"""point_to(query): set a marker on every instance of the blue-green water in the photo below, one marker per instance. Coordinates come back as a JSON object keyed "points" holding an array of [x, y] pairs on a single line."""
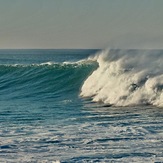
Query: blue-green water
{"points": [[43, 118]]}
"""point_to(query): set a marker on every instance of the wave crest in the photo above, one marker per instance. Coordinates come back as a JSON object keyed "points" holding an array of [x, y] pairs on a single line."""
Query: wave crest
{"points": [[126, 77]]}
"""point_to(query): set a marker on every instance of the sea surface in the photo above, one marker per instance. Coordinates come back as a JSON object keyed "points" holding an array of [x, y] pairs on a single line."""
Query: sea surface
{"points": [[75, 106]]}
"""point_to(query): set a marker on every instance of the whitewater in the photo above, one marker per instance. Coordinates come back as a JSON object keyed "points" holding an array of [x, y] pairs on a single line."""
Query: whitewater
{"points": [[126, 77], [81, 105]]}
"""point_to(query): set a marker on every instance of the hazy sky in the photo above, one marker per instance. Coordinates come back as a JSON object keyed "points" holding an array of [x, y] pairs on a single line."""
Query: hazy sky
{"points": [[81, 23]]}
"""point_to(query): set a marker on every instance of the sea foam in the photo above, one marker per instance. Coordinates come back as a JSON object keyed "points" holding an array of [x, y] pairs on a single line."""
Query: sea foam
{"points": [[126, 77]]}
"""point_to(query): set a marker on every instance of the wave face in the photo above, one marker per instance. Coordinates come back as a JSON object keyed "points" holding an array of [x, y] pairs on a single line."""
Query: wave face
{"points": [[43, 80], [126, 77]]}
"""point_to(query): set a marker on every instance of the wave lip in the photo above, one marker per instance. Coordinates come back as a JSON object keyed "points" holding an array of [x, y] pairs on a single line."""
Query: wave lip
{"points": [[126, 77]]}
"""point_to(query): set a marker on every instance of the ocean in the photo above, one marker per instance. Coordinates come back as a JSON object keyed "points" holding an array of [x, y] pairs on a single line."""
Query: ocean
{"points": [[75, 106]]}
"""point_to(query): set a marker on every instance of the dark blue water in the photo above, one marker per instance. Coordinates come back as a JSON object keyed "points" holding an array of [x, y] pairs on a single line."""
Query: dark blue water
{"points": [[44, 119]]}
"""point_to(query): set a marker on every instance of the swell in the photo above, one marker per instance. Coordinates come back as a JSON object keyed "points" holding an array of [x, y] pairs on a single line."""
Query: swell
{"points": [[47, 80], [126, 77]]}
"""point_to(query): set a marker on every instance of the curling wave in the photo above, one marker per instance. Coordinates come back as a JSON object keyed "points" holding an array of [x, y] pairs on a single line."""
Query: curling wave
{"points": [[126, 77]]}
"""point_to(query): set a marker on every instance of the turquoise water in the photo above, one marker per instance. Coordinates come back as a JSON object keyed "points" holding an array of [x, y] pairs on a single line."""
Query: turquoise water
{"points": [[44, 118]]}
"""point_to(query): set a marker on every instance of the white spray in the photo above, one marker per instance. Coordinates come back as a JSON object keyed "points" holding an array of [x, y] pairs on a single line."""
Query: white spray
{"points": [[126, 77]]}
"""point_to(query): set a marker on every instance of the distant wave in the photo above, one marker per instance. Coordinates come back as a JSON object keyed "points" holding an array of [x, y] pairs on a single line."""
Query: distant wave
{"points": [[126, 77]]}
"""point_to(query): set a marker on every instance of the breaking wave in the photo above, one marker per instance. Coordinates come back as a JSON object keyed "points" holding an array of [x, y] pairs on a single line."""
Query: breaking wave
{"points": [[126, 77], [114, 77]]}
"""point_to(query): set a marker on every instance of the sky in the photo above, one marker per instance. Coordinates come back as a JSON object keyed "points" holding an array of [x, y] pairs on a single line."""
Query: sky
{"points": [[70, 24]]}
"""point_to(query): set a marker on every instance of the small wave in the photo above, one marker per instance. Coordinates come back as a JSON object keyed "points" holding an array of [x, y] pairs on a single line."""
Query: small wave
{"points": [[126, 77]]}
